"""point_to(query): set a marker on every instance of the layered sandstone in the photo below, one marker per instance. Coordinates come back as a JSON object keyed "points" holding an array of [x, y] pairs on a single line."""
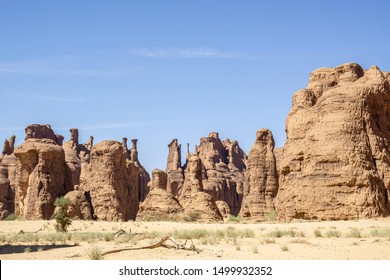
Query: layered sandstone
{"points": [[107, 181], [195, 201], [261, 178], [223, 170], [144, 177], [40, 178], [336, 160], [80, 207], [159, 204], [174, 169], [5, 192]]}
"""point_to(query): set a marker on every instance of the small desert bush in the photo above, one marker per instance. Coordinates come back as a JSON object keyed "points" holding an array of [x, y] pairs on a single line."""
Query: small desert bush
{"points": [[333, 233], [233, 219], [231, 232], [148, 218], [95, 253], [11, 217], [317, 233], [380, 233], [255, 250], [191, 217], [3, 238], [190, 234], [284, 248], [268, 241], [280, 233], [271, 216], [354, 233], [300, 241], [27, 250], [61, 215]]}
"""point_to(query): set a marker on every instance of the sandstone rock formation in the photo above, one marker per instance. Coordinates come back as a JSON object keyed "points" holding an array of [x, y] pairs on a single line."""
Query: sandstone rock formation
{"points": [[40, 178], [80, 207], [8, 146], [261, 178], [159, 204], [7, 178], [223, 170], [193, 198], [40, 132], [335, 163], [174, 169], [5, 192], [107, 180], [144, 177]]}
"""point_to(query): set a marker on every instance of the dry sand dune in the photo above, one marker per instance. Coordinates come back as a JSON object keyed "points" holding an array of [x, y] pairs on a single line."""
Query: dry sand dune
{"points": [[340, 240]]}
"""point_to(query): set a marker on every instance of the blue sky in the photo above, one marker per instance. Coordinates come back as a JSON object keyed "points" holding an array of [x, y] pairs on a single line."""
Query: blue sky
{"points": [[158, 70]]}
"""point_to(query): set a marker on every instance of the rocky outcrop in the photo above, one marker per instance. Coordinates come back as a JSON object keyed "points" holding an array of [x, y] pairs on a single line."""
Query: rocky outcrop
{"points": [[5, 192], [261, 178], [8, 146], [159, 204], [174, 169], [40, 178], [336, 160], [223, 170], [107, 180], [194, 200], [7, 178], [39, 131], [80, 207], [144, 177]]}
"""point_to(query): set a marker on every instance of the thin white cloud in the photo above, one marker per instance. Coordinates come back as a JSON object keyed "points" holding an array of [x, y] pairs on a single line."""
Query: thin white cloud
{"points": [[189, 53]]}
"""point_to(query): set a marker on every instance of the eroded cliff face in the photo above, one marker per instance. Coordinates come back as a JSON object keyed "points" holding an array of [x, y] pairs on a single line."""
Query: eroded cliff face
{"points": [[223, 166], [5, 193], [107, 181], [261, 178], [335, 163], [40, 178], [193, 198], [174, 169], [160, 204]]}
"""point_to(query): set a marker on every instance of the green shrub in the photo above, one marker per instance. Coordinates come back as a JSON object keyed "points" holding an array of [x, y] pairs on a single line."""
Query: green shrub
{"points": [[95, 254], [191, 217], [61, 215], [11, 217], [271, 216], [317, 233], [233, 219], [333, 233], [354, 233]]}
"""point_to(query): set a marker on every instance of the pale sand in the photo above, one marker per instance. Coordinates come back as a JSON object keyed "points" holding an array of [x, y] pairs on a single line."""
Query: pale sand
{"points": [[366, 247]]}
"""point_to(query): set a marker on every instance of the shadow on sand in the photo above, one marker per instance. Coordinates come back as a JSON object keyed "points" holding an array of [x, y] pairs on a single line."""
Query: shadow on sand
{"points": [[16, 249]]}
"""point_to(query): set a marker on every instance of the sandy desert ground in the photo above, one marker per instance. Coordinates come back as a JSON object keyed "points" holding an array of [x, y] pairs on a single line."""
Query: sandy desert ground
{"points": [[330, 240]]}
